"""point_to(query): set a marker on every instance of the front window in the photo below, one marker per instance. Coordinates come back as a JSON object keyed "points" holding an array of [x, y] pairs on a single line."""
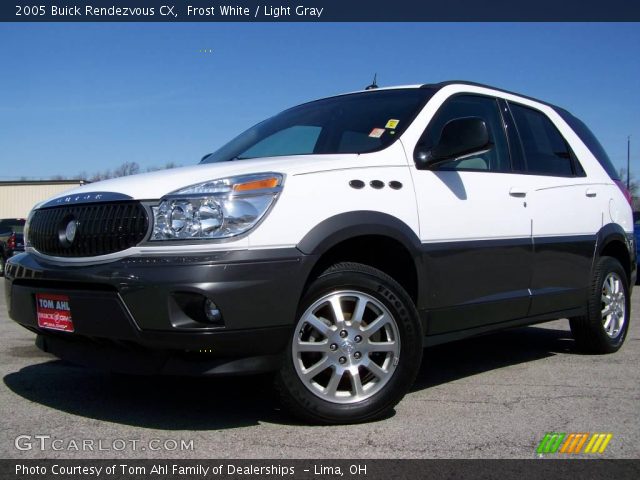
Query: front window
{"points": [[496, 158], [354, 123]]}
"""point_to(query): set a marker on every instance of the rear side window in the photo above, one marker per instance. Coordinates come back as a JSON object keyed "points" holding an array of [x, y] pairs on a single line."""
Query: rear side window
{"points": [[546, 151], [590, 140]]}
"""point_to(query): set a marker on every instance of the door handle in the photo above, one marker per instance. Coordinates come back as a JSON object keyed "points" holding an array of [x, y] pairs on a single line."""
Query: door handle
{"points": [[590, 192], [517, 192]]}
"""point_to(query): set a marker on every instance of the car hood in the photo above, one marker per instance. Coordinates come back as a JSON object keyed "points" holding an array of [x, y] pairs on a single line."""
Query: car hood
{"points": [[153, 185]]}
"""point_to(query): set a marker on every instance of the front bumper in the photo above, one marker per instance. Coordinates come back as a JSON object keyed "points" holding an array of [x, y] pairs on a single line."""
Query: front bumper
{"points": [[127, 317]]}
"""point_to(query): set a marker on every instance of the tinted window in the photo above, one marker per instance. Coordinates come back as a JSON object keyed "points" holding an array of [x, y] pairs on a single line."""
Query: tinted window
{"points": [[592, 143], [12, 225], [515, 148], [546, 152], [354, 123], [496, 158], [296, 139]]}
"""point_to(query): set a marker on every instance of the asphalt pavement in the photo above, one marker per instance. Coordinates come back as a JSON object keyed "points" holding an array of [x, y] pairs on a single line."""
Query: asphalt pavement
{"points": [[490, 397]]}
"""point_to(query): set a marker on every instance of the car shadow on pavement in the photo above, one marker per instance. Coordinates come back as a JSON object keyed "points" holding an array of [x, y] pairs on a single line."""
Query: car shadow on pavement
{"points": [[160, 402], [189, 403], [452, 361]]}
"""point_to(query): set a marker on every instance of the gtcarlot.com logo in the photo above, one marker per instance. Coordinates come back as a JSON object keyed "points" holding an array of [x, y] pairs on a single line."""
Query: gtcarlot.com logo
{"points": [[554, 442], [49, 443]]}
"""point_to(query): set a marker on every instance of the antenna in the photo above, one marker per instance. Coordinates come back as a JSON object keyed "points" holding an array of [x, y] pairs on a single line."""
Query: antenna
{"points": [[374, 84]]}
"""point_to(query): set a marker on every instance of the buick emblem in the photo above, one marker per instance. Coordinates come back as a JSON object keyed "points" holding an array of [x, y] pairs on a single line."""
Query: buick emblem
{"points": [[347, 347], [67, 232], [70, 231]]}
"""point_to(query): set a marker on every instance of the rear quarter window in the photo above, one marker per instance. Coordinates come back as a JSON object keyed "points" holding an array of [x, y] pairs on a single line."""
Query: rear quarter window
{"points": [[590, 140]]}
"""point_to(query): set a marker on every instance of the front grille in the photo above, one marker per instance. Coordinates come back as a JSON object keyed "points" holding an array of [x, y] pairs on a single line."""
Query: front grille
{"points": [[102, 228]]}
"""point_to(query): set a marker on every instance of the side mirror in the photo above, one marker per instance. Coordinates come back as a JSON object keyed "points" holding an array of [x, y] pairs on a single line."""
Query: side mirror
{"points": [[459, 137]]}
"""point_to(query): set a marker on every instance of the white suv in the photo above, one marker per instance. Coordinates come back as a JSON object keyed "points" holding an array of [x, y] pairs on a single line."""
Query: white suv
{"points": [[332, 242]]}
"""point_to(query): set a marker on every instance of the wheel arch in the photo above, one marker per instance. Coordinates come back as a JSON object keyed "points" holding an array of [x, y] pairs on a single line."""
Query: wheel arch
{"points": [[360, 237], [613, 241]]}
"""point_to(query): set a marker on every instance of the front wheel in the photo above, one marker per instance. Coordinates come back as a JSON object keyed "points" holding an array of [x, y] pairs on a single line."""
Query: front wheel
{"points": [[604, 327], [355, 350]]}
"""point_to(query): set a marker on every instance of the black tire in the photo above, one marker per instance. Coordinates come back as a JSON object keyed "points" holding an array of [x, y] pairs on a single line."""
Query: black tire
{"points": [[378, 290], [589, 330], [2, 265]]}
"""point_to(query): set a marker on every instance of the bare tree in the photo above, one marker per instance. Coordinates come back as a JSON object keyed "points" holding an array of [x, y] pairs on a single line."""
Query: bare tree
{"points": [[167, 166], [634, 185], [126, 169], [96, 177]]}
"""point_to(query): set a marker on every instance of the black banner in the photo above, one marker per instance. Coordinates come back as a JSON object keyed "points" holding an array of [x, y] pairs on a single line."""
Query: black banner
{"points": [[317, 10], [116, 469]]}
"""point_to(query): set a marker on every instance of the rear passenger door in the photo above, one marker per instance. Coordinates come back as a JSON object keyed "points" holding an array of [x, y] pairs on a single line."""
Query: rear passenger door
{"points": [[566, 211], [474, 226]]}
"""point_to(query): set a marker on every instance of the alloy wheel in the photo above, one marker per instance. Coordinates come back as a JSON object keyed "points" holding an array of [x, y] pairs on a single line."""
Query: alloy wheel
{"points": [[346, 347]]}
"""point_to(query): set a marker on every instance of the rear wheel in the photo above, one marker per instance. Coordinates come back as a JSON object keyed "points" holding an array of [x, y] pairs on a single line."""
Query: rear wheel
{"points": [[604, 327], [355, 350]]}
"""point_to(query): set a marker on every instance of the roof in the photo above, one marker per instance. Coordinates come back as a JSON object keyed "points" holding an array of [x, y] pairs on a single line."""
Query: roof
{"points": [[440, 85], [437, 86]]}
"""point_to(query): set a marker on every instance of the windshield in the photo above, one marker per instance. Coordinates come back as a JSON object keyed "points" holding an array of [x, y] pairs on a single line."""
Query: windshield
{"points": [[353, 123]]}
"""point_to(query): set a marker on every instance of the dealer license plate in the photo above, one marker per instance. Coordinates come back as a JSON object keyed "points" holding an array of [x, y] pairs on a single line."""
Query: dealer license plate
{"points": [[54, 312]]}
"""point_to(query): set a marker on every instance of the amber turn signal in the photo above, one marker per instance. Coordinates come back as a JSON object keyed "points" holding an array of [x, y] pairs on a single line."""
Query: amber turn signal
{"points": [[256, 185]]}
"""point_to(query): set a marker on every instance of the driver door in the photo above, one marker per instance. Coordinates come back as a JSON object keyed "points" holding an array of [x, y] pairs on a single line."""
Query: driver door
{"points": [[475, 226]]}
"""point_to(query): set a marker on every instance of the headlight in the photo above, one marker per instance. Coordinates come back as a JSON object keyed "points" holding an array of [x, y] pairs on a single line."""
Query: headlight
{"points": [[216, 209]]}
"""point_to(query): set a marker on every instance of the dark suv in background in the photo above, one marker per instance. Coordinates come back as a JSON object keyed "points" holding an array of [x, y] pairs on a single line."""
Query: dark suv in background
{"points": [[11, 239]]}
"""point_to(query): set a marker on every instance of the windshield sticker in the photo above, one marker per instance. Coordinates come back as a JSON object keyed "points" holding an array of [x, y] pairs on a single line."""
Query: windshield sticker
{"points": [[393, 123], [377, 132]]}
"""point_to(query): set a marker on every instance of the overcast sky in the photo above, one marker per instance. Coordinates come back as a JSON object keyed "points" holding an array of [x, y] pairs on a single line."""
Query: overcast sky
{"points": [[88, 97]]}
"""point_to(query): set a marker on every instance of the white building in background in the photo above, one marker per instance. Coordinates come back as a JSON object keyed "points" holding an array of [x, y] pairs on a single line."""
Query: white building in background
{"points": [[18, 197]]}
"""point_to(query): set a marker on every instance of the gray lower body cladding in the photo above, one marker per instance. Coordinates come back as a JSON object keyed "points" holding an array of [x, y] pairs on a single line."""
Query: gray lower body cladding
{"points": [[131, 315]]}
